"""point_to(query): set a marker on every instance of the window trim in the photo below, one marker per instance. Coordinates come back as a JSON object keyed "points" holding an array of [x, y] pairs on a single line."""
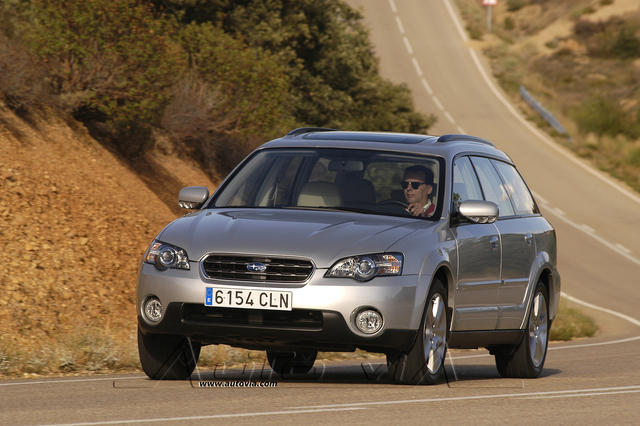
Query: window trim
{"points": [[513, 204], [452, 210]]}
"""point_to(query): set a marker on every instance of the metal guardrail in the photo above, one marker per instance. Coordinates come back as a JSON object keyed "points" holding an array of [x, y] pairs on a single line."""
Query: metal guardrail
{"points": [[546, 115]]}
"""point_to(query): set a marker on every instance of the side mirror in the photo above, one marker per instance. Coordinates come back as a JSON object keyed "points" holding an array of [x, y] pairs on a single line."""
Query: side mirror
{"points": [[193, 197], [479, 211]]}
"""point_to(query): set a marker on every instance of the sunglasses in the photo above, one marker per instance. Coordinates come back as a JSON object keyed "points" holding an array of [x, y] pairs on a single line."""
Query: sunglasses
{"points": [[414, 185]]}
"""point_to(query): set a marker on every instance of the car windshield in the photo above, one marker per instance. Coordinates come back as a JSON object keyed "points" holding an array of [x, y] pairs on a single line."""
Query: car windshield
{"points": [[364, 181]]}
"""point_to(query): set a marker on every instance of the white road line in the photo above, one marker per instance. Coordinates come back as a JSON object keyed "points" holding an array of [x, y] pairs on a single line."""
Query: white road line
{"points": [[554, 348], [461, 130], [588, 345], [476, 397], [417, 67], [407, 45], [456, 21], [393, 6], [558, 212], [576, 395], [599, 308], [623, 248], [560, 215], [618, 248], [426, 86], [587, 229], [438, 103], [97, 379], [544, 138], [539, 198], [449, 117], [400, 26], [213, 416]]}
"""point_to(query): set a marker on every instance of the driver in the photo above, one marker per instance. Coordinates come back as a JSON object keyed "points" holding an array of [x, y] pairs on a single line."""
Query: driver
{"points": [[418, 186]]}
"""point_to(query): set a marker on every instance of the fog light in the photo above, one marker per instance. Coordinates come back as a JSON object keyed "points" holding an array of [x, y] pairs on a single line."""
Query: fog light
{"points": [[152, 309], [369, 321]]}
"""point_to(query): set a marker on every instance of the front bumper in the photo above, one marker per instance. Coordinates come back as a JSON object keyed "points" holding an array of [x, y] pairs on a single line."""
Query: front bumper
{"points": [[332, 303], [328, 333]]}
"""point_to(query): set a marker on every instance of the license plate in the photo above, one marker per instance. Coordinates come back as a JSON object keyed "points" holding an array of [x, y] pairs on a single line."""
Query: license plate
{"points": [[252, 299]]}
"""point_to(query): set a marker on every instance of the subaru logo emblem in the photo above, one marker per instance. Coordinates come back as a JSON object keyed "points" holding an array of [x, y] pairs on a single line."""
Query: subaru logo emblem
{"points": [[256, 267]]}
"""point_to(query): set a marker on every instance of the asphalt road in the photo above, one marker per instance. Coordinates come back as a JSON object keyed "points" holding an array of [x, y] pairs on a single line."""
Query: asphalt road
{"points": [[597, 380]]}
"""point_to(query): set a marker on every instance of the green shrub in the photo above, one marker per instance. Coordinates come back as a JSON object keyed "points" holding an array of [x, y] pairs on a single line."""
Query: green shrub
{"points": [[113, 57], [509, 23], [626, 44], [252, 86], [603, 116], [513, 5], [328, 57], [615, 38], [237, 71], [633, 159]]}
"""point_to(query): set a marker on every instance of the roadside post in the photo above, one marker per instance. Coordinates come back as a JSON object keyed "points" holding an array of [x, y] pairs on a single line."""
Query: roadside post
{"points": [[489, 4]]}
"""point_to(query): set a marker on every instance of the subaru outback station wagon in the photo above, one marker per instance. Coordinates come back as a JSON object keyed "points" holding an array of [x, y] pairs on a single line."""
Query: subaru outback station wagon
{"points": [[325, 240]]}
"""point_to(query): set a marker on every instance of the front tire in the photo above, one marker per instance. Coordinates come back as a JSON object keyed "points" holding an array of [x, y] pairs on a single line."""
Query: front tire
{"points": [[167, 357], [526, 360], [292, 362], [424, 363]]}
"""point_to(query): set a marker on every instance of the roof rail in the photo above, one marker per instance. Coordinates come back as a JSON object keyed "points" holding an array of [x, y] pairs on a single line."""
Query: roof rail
{"points": [[467, 138], [301, 130]]}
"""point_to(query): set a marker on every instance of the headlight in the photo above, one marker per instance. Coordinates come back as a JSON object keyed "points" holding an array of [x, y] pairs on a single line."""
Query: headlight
{"points": [[364, 268], [165, 256]]}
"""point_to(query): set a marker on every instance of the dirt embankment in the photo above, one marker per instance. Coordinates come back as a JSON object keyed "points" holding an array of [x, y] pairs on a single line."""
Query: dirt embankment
{"points": [[75, 221]]}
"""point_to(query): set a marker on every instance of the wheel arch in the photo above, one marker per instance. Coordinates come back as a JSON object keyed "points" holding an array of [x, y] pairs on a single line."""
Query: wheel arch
{"points": [[444, 274], [550, 278], [551, 281]]}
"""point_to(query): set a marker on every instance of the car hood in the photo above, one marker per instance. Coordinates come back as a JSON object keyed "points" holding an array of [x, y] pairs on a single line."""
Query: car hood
{"points": [[323, 236]]}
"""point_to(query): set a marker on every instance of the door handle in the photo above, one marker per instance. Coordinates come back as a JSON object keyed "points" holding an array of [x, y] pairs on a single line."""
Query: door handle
{"points": [[528, 238], [495, 242]]}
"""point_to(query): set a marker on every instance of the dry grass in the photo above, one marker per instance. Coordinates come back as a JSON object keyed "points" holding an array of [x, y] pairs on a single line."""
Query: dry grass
{"points": [[571, 323]]}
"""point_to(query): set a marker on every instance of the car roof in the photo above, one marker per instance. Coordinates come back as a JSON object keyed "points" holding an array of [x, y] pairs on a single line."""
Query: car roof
{"points": [[446, 146]]}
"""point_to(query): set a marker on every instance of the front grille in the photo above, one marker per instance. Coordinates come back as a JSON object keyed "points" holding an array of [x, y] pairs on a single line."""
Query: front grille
{"points": [[235, 268], [297, 318]]}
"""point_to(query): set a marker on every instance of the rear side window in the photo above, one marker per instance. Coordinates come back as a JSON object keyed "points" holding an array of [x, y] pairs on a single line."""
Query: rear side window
{"points": [[517, 189], [465, 182], [494, 189]]}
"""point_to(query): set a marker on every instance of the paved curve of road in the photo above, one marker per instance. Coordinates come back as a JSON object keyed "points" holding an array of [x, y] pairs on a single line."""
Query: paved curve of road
{"points": [[421, 43]]}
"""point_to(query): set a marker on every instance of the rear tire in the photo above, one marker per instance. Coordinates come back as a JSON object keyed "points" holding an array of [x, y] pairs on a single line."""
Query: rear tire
{"points": [[292, 362], [424, 363], [167, 357], [526, 360]]}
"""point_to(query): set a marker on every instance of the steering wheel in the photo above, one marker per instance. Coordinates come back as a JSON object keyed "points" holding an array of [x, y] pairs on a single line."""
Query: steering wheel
{"points": [[394, 203]]}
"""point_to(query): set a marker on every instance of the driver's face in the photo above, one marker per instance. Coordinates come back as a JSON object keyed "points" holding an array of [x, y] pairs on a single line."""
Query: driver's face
{"points": [[419, 195]]}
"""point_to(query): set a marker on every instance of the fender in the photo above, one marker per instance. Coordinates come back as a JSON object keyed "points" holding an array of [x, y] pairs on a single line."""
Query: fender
{"points": [[440, 261]]}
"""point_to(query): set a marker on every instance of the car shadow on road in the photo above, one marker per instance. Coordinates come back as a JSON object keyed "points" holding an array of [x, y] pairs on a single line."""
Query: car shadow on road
{"points": [[359, 373]]}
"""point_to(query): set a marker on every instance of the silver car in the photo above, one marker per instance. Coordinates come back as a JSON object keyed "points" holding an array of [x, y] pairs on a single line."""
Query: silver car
{"points": [[325, 240]]}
